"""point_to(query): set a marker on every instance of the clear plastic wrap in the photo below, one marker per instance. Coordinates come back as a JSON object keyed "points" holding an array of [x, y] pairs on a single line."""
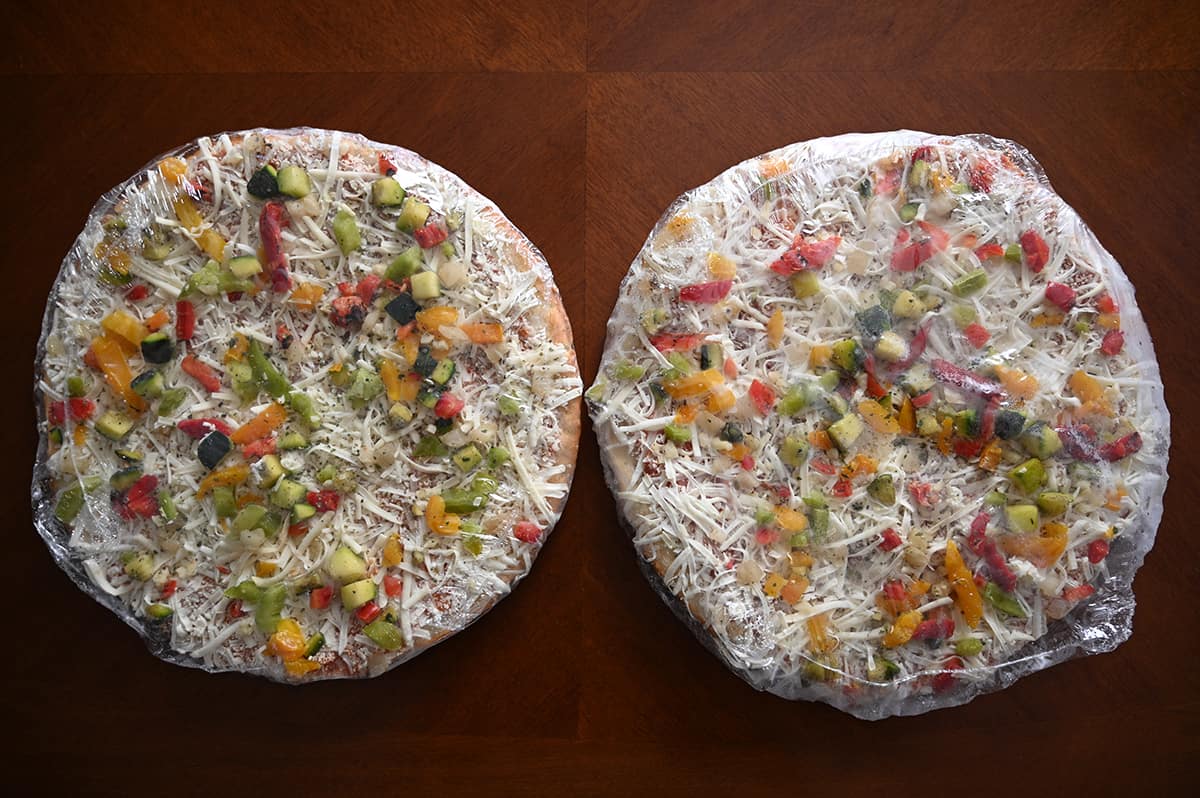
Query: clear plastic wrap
{"points": [[806, 405], [502, 345]]}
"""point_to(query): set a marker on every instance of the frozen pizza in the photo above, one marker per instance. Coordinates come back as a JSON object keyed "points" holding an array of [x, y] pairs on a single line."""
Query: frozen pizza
{"points": [[884, 421], [308, 405]]}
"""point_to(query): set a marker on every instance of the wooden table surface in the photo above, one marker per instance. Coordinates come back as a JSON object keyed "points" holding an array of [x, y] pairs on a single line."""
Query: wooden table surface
{"points": [[583, 123]]}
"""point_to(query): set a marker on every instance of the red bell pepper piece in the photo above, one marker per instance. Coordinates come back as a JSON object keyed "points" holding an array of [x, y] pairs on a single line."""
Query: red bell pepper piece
{"points": [[320, 597], [271, 222], [393, 586], [137, 293], [762, 396], [980, 176], [1097, 550], [1113, 343], [945, 680], [348, 310], [169, 588], [922, 493], [139, 500], [915, 349], [923, 399], [842, 488], [666, 342], [1121, 447], [367, 286], [197, 428], [368, 612], [527, 532], [922, 153], [894, 591], [978, 531], [706, 293], [324, 500], [934, 629], [977, 335], [386, 167], [259, 448], [1037, 253], [824, 466], [57, 412], [1077, 593], [804, 255], [283, 336], [203, 373], [968, 449], [989, 251], [987, 423], [81, 409], [748, 463], [891, 539], [1061, 295], [1079, 441], [874, 389], [765, 536], [234, 610], [185, 320], [448, 406], [430, 235], [947, 372], [297, 530]]}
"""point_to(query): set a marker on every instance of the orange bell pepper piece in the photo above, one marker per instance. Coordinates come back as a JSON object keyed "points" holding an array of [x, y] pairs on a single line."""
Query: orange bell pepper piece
{"points": [[1017, 383], [159, 320], [433, 319], [697, 384], [720, 400], [966, 593], [481, 333], [223, 478], [260, 426], [305, 296], [907, 419], [820, 439], [902, 630], [775, 328], [116, 370], [1042, 550], [287, 642]]}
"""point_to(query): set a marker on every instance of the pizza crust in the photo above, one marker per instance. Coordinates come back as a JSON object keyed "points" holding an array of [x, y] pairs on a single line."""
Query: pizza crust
{"points": [[548, 322], [742, 626]]}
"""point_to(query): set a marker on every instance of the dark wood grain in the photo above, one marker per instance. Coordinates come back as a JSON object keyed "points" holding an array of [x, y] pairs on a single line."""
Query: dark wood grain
{"points": [[582, 682]]}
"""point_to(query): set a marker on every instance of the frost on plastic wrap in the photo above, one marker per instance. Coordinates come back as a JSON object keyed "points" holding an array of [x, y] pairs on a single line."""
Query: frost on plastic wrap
{"points": [[486, 269], [897, 285]]}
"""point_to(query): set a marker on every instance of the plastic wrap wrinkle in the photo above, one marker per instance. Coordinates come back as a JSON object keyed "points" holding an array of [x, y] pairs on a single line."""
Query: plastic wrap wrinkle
{"points": [[900, 227], [508, 283]]}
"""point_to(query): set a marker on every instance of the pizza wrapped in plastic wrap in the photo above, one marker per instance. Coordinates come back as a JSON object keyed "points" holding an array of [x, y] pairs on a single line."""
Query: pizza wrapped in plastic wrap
{"points": [[884, 422], [308, 405]]}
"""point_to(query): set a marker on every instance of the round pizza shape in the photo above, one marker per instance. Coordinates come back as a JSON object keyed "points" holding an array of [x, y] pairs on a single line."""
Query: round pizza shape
{"points": [[308, 405], [884, 421]]}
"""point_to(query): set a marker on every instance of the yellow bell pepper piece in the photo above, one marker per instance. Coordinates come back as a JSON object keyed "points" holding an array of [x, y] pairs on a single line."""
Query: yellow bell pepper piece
{"points": [[720, 400], [126, 326], [721, 267], [966, 593], [819, 639], [299, 667], [773, 585], [877, 418], [391, 379], [223, 478], [211, 242], [393, 551], [775, 328], [789, 520], [902, 630], [116, 370], [305, 296], [287, 642], [433, 319], [265, 569], [1089, 391], [697, 384], [1109, 321], [440, 521], [819, 355]]}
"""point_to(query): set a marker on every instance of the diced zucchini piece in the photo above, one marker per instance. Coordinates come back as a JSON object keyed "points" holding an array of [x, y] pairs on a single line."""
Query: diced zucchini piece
{"points": [[400, 413], [293, 181], [818, 522], [263, 183], [413, 214], [386, 192], [845, 431], [293, 440], [918, 380], [159, 611], [966, 423], [430, 446], [114, 425], [467, 457], [148, 384], [244, 266], [627, 370], [1009, 424], [406, 264], [907, 306], [213, 448], [508, 405], [384, 634], [156, 244], [711, 357], [366, 386], [995, 499], [793, 401], [918, 174], [302, 512], [677, 433], [224, 502], [346, 566], [443, 371], [429, 398], [1022, 517], [77, 385], [1004, 602], [269, 470], [287, 493], [425, 286], [166, 505], [124, 478], [356, 594], [403, 309], [139, 566], [883, 489], [848, 355], [249, 517], [908, 211], [1053, 503], [1013, 253], [805, 284], [462, 501], [345, 231], [314, 644], [970, 283], [731, 433], [1041, 440], [794, 451], [874, 321], [891, 347], [1029, 476], [498, 456]]}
